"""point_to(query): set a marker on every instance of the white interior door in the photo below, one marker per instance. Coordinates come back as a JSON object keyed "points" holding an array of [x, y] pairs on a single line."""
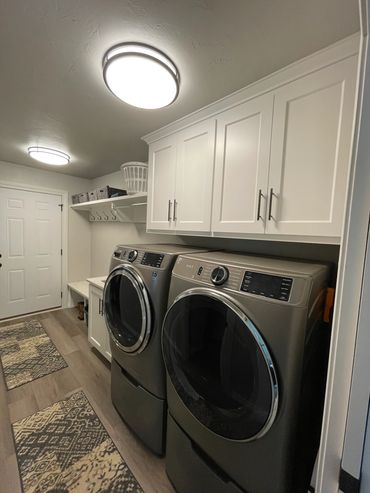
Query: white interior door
{"points": [[30, 248], [242, 166]]}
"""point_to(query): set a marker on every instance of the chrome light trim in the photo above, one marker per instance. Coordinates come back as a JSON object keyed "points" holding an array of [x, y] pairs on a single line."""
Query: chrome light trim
{"points": [[239, 311], [134, 277], [134, 48]]}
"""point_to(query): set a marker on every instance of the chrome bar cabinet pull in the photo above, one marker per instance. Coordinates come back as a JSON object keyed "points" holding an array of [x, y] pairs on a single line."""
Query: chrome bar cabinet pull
{"points": [[169, 211], [260, 195], [175, 210], [270, 203]]}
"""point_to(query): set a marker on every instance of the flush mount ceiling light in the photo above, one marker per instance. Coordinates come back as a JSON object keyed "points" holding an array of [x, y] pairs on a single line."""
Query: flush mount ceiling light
{"points": [[48, 156], [141, 75]]}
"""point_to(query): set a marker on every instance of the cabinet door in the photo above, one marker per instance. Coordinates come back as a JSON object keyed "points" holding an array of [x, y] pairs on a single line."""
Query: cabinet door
{"points": [[194, 177], [310, 152], [241, 169], [97, 330], [106, 350], [161, 184]]}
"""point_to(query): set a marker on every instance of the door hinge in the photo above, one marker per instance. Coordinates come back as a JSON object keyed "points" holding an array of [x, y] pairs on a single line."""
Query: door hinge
{"points": [[61, 251], [61, 294], [61, 207], [348, 483]]}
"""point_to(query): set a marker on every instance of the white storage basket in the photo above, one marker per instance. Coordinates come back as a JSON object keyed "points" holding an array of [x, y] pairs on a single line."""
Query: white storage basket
{"points": [[135, 175]]}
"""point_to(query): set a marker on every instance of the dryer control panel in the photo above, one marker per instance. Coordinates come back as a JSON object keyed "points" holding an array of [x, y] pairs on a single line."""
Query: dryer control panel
{"points": [[267, 279], [152, 259], [270, 286], [249, 280]]}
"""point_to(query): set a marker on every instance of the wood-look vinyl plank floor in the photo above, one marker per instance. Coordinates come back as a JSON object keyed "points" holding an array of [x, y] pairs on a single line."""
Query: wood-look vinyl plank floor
{"points": [[86, 371]]}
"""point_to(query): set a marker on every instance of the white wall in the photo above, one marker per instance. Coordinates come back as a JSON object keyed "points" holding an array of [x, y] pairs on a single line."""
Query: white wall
{"points": [[79, 234], [105, 236], [113, 180], [91, 244]]}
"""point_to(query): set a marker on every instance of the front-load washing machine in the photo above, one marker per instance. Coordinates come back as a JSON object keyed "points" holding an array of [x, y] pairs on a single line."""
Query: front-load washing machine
{"points": [[134, 303], [245, 355]]}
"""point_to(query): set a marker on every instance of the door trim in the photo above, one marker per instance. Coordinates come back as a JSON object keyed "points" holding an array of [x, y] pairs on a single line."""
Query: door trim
{"points": [[349, 283], [64, 258]]}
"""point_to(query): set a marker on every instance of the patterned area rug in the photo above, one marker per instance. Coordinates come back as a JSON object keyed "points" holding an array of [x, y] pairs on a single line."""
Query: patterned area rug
{"points": [[27, 353], [66, 449]]}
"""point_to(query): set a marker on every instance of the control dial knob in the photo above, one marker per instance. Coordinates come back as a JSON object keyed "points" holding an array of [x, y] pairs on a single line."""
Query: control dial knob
{"points": [[132, 255], [219, 275]]}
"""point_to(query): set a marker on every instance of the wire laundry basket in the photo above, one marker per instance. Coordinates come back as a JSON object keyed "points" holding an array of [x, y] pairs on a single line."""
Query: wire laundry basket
{"points": [[135, 174]]}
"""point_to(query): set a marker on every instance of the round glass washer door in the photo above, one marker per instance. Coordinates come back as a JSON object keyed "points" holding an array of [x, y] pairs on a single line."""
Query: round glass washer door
{"points": [[220, 365], [127, 309]]}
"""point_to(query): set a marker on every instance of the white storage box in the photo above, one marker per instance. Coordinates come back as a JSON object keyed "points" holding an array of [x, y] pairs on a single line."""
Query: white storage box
{"points": [[83, 197], [135, 175], [92, 195]]}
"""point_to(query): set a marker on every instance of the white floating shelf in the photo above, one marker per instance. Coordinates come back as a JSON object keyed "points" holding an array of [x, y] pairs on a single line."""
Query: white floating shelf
{"points": [[125, 200]]}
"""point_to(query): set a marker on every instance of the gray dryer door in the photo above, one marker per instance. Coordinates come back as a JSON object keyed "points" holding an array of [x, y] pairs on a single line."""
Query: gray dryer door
{"points": [[220, 365], [127, 309]]}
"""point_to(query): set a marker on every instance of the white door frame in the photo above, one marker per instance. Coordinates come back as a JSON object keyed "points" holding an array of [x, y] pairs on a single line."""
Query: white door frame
{"points": [[360, 390], [349, 284], [64, 195]]}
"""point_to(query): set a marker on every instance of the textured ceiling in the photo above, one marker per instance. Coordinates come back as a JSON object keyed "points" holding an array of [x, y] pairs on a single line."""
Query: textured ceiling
{"points": [[51, 87]]}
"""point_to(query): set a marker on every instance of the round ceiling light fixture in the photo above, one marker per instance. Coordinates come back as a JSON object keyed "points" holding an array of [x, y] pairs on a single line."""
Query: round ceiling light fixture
{"points": [[141, 75], [48, 156]]}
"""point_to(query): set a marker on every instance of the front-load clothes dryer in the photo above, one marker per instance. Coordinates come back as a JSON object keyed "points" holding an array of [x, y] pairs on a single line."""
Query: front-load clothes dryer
{"points": [[245, 354], [135, 301]]}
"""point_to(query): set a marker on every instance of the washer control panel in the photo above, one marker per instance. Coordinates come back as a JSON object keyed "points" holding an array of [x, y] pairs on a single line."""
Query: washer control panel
{"points": [[152, 259], [270, 286]]}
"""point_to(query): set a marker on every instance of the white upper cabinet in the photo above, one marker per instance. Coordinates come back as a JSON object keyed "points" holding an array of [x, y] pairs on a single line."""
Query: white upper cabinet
{"points": [[194, 177], [181, 179], [161, 184], [242, 164], [270, 161], [310, 152]]}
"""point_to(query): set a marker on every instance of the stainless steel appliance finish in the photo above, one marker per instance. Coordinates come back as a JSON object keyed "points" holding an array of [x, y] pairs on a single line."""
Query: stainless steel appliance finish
{"points": [[135, 301], [245, 357]]}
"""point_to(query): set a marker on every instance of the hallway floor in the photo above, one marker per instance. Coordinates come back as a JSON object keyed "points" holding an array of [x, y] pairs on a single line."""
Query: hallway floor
{"points": [[86, 371]]}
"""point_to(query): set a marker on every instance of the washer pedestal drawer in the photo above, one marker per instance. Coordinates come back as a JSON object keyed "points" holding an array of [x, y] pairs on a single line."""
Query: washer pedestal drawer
{"points": [[143, 412], [185, 461]]}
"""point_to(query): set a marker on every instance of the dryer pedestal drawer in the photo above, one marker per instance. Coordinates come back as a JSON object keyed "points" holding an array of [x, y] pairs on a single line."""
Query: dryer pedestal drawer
{"points": [[184, 461], [132, 402]]}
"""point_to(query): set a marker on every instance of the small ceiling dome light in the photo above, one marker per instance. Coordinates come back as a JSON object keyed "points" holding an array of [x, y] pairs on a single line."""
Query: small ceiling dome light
{"points": [[48, 156], [141, 75]]}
